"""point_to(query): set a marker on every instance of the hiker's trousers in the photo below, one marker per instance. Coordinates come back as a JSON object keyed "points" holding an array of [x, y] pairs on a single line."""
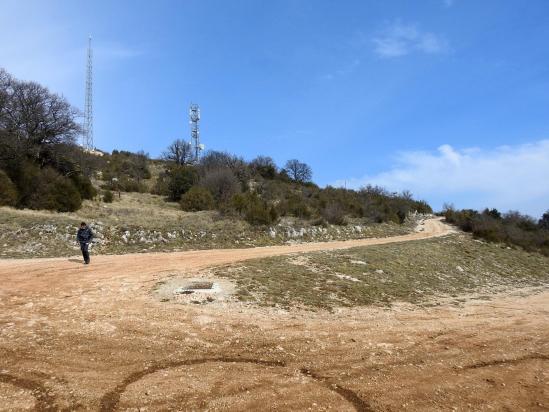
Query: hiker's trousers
{"points": [[85, 253]]}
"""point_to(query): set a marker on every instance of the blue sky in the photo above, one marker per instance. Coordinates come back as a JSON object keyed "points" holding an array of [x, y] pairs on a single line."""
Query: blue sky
{"points": [[449, 99]]}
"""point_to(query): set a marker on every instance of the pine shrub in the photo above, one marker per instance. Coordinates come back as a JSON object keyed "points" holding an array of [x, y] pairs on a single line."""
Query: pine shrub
{"points": [[108, 197], [197, 198], [254, 209], [54, 192], [84, 186], [180, 180]]}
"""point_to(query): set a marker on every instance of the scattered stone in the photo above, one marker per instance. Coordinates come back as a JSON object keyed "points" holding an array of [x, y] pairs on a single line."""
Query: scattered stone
{"points": [[347, 277]]}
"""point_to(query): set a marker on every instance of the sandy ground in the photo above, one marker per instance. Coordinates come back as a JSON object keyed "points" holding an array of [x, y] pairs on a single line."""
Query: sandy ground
{"points": [[97, 337]]}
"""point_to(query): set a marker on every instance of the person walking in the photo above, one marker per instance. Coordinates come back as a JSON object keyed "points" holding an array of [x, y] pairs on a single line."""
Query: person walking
{"points": [[84, 236]]}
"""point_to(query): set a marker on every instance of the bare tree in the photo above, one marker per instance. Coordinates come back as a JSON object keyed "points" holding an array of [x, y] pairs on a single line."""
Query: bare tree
{"points": [[180, 152], [265, 166], [5, 86], [299, 172], [35, 116], [222, 183], [214, 160], [34, 123], [407, 195]]}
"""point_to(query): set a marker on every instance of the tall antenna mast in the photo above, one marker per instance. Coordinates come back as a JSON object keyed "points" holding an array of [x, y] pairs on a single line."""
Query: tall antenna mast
{"points": [[194, 116], [87, 140]]}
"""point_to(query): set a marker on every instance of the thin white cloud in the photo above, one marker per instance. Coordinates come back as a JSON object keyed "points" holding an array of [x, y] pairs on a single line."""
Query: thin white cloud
{"points": [[507, 177], [448, 3], [342, 71], [398, 39]]}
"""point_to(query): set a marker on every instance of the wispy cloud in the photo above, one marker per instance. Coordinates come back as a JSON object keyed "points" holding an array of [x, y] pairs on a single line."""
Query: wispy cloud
{"points": [[448, 3], [341, 71], [398, 39], [507, 177]]}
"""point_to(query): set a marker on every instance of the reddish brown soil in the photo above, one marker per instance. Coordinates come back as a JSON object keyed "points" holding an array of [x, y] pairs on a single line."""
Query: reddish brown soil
{"points": [[75, 337]]}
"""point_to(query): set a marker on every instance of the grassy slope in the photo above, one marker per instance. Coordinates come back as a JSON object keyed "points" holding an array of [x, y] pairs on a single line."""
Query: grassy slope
{"points": [[153, 225], [416, 272]]}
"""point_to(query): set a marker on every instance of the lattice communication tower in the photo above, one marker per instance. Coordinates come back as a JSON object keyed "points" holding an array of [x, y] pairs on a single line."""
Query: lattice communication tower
{"points": [[87, 138], [194, 119]]}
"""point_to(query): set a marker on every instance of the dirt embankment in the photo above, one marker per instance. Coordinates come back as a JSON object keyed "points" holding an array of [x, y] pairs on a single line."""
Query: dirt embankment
{"points": [[77, 337]]}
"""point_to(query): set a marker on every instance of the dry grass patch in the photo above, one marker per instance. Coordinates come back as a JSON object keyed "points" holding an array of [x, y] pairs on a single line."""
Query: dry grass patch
{"points": [[417, 272]]}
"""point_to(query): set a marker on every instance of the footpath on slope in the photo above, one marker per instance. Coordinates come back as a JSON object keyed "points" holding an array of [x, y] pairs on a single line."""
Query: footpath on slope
{"points": [[19, 270], [48, 273]]}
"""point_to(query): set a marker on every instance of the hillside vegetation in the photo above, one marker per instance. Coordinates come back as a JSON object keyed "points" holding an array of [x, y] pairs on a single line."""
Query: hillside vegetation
{"points": [[40, 166], [512, 228], [142, 222], [257, 191], [124, 195]]}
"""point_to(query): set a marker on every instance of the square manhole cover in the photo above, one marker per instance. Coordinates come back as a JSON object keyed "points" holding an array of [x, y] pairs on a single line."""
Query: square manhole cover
{"points": [[199, 286]]}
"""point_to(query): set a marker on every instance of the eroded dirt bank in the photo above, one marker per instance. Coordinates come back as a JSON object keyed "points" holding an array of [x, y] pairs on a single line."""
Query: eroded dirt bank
{"points": [[93, 337]]}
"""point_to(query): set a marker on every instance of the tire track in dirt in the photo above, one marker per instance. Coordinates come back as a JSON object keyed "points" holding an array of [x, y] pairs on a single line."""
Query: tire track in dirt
{"points": [[497, 362], [110, 400], [44, 401], [360, 404]]}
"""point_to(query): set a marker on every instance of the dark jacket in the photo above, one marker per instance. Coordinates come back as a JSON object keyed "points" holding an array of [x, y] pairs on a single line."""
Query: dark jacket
{"points": [[84, 235]]}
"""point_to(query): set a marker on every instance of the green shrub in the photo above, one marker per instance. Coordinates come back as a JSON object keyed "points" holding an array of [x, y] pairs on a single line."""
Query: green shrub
{"points": [[126, 166], [108, 196], [131, 185], [25, 176], [8, 191], [160, 186], [487, 227], [84, 186], [180, 180], [197, 198], [296, 206], [339, 202], [54, 192], [260, 214], [512, 228], [239, 202], [253, 209], [264, 166]]}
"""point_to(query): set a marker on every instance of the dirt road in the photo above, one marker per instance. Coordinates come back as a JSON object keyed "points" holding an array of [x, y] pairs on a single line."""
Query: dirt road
{"points": [[61, 273], [75, 337]]}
